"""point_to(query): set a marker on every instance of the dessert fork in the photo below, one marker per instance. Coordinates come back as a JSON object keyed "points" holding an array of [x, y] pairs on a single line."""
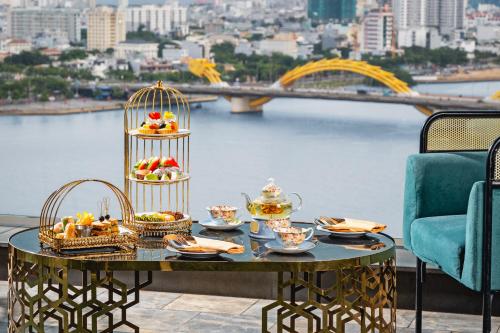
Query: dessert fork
{"points": [[325, 221]]}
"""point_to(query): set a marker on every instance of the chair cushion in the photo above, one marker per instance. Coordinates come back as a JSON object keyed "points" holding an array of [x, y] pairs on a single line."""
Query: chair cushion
{"points": [[439, 184], [440, 240]]}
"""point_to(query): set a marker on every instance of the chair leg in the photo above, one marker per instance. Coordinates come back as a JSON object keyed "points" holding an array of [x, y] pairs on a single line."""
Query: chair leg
{"points": [[420, 278], [487, 303]]}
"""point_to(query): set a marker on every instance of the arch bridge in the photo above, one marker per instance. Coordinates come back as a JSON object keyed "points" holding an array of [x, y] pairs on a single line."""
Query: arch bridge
{"points": [[204, 68]]}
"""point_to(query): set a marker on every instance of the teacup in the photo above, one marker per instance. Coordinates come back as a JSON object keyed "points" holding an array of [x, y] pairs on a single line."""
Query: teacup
{"points": [[278, 223], [292, 237], [223, 213]]}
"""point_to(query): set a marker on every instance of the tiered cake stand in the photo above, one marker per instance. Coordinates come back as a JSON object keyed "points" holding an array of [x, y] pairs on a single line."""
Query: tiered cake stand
{"points": [[158, 195]]}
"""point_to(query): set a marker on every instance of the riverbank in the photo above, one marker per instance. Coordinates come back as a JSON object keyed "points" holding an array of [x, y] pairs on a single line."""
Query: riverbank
{"points": [[485, 75], [74, 106]]}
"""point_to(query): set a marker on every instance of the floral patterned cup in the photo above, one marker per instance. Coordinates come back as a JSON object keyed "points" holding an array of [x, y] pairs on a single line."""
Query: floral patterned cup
{"points": [[278, 223], [226, 214], [292, 237]]}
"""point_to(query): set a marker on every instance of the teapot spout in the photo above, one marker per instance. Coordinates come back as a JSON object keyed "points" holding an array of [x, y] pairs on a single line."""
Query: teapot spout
{"points": [[247, 198], [249, 204]]}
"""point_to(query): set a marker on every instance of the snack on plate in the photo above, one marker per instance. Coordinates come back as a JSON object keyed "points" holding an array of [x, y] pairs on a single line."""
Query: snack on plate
{"points": [[166, 216], [155, 124], [156, 168], [70, 231], [67, 228], [100, 229]]}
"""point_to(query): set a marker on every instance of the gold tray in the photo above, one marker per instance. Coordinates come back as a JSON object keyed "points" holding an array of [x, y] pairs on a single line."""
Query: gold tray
{"points": [[156, 229], [181, 133], [122, 240], [160, 182]]}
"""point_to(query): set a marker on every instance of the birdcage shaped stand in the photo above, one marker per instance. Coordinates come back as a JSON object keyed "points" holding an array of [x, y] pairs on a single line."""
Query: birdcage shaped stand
{"points": [[125, 239], [157, 132]]}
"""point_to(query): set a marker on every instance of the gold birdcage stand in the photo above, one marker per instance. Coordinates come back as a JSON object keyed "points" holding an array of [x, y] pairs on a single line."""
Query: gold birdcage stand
{"points": [[49, 217], [158, 195]]}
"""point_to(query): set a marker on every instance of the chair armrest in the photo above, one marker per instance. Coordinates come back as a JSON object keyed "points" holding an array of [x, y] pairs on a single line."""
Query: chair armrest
{"points": [[439, 184], [472, 267]]}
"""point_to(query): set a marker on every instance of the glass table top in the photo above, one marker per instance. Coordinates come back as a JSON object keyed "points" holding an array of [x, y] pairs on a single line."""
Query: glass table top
{"points": [[329, 253]]}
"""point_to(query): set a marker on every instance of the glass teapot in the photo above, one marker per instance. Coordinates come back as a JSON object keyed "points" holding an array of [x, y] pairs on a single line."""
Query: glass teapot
{"points": [[272, 203]]}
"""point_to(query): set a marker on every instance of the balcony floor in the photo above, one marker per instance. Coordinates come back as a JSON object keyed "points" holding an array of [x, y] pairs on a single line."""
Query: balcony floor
{"points": [[182, 313]]}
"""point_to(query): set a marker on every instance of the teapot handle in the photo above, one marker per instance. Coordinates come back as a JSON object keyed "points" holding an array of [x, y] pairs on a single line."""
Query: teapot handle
{"points": [[300, 202]]}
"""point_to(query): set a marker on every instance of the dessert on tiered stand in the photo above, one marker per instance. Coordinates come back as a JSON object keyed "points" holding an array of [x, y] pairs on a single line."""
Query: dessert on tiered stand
{"points": [[157, 121]]}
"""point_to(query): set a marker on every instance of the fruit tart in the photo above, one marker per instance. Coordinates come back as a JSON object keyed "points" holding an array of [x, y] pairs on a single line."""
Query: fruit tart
{"points": [[156, 169], [156, 124]]}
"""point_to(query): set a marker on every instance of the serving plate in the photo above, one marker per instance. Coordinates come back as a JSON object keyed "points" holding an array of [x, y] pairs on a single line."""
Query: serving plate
{"points": [[195, 255], [185, 218], [181, 133], [181, 178], [215, 225], [275, 246], [342, 234]]}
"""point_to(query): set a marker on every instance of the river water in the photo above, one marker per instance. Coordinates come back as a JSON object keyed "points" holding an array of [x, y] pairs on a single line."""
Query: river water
{"points": [[344, 158]]}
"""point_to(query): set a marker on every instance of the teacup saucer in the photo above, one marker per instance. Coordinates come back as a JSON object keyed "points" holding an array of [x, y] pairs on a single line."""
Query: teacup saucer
{"points": [[275, 246], [259, 236], [217, 225]]}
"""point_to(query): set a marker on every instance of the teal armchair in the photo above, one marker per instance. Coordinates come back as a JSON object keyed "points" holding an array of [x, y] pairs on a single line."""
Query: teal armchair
{"points": [[452, 203]]}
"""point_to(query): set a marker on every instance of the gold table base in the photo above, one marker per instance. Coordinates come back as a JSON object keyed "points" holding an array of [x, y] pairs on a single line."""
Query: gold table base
{"points": [[40, 294], [365, 295]]}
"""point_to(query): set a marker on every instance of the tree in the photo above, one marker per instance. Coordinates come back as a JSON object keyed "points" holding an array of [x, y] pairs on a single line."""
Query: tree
{"points": [[27, 58], [143, 35], [73, 54], [109, 51]]}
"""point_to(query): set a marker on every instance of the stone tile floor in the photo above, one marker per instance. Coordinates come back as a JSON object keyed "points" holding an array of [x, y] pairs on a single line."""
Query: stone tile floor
{"points": [[185, 313]]}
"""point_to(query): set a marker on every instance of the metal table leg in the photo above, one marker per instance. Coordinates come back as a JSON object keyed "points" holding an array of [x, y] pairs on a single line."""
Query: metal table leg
{"points": [[364, 295], [41, 296]]}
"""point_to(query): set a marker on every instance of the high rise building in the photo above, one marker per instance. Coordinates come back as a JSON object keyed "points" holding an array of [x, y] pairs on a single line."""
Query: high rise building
{"points": [[445, 15], [377, 32], [161, 19], [409, 13], [326, 10], [58, 22], [451, 16], [105, 28]]}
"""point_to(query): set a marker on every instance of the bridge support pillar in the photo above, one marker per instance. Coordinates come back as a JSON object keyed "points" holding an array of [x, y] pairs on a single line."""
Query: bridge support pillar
{"points": [[242, 104]]}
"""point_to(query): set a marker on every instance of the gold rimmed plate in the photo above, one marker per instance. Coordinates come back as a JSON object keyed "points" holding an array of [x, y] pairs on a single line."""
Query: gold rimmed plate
{"points": [[195, 255], [181, 178], [184, 219], [347, 234], [181, 133]]}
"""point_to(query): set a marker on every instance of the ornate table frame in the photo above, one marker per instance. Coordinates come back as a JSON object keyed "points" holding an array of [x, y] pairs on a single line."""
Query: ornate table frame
{"points": [[40, 290]]}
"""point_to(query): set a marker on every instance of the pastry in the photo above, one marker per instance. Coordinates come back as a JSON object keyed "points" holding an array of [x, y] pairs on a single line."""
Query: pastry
{"points": [[114, 226], [100, 228], [70, 231], [100, 232], [141, 174], [157, 168], [144, 130], [166, 216], [155, 124]]}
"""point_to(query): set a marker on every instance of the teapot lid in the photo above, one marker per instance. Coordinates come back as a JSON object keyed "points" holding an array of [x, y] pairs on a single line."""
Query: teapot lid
{"points": [[271, 190]]}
